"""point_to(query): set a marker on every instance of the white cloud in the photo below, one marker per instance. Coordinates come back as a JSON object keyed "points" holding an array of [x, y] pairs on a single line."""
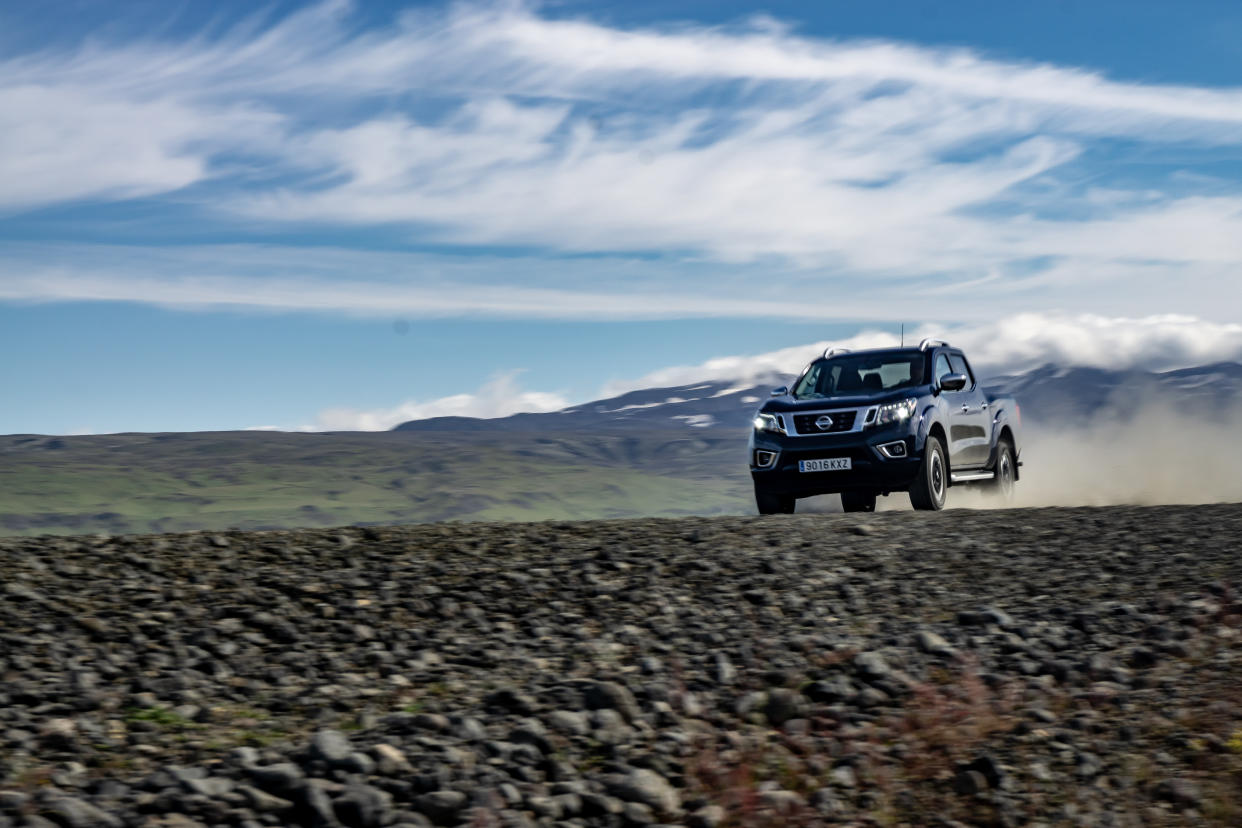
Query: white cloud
{"points": [[876, 177], [1013, 344], [500, 396]]}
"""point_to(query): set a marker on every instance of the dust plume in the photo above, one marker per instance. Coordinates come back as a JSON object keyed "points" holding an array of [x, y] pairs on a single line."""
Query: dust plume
{"points": [[1161, 454]]}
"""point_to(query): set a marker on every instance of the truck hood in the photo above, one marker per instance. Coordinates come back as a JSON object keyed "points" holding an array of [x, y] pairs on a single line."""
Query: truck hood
{"points": [[785, 404]]}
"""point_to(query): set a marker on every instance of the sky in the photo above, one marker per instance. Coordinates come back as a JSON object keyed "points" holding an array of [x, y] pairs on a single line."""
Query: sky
{"points": [[335, 215]]}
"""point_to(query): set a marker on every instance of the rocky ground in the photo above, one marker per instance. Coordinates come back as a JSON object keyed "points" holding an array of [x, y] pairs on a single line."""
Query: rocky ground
{"points": [[1057, 667]]}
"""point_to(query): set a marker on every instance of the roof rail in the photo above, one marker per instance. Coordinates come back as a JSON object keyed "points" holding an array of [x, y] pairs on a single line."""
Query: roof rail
{"points": [[834, 351], [931, 343]]}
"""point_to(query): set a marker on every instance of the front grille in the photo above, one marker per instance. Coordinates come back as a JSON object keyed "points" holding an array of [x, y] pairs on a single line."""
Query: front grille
{"points": [[841, 421]]}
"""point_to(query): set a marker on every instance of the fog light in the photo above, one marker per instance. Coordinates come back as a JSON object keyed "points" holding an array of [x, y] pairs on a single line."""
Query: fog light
{"points": [[765, 459], [894, 451]]}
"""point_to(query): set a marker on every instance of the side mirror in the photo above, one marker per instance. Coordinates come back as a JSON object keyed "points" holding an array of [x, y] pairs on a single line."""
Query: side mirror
{"points": [[953, 382], [780, 392]]}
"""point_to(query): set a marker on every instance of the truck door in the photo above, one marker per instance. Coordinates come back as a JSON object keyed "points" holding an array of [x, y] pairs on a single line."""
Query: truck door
{"points": [[953, 407], [971, 417]]}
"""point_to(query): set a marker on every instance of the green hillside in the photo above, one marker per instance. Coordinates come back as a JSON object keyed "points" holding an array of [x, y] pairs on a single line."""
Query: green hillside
{"points": [[126, 483]]}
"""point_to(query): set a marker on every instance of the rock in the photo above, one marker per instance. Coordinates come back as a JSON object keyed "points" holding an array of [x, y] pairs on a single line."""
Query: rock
{"points": [[331, 746], [569, 721], [782, 802], [709, 816], [59, 734], [649, 788], [362, 806], [390, 761], [1179, 791], [262, 801], [871, 666], [933, 644], [314, 800], [989, 768], [725, 671], [843, 776], [442, 806], [969, 783], [71, 812], [282, 778], [612, 696], [782, 705], [511, 699]]}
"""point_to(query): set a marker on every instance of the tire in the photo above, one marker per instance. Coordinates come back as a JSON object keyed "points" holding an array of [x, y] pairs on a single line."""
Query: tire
{"points": [[1006, 472], [931, 487], [858, 501], [774, 504]]}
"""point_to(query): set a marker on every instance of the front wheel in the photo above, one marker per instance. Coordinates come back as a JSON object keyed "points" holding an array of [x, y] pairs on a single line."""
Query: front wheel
{"points": [[858, 501], [774, 504], [930, 489]]}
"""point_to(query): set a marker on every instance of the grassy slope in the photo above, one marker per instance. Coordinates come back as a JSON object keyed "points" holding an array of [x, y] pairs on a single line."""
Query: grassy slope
{"points": [[170, 482]]}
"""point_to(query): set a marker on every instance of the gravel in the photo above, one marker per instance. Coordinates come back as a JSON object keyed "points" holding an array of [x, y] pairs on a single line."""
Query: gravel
{"points": [[1043, 667]]}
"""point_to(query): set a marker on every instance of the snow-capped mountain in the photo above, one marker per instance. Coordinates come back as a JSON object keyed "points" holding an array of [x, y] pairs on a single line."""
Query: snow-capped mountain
{"points": [[1049, 394]]}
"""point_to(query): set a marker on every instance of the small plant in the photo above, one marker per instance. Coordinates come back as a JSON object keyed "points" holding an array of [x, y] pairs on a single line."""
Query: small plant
{"points": [[161, 716], [1234, 744]]}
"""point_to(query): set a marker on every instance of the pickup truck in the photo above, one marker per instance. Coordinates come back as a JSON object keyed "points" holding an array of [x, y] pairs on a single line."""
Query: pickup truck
{"points": [[864, 424]]}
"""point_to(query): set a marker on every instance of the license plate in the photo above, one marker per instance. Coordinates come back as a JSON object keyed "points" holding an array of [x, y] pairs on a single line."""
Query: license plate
{"points": [[830, 464]]}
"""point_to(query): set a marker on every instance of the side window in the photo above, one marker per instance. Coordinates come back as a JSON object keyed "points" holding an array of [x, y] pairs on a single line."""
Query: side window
{"points": [[942, 367], [960, 367]]}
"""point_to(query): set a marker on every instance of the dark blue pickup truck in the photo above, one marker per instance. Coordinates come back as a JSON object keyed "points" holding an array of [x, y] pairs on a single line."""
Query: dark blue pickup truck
{"points": [[869, 423]]}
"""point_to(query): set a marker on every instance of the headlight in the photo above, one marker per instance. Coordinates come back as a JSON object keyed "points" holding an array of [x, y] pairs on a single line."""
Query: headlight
{"points": [[897, 412], [769, 422]]}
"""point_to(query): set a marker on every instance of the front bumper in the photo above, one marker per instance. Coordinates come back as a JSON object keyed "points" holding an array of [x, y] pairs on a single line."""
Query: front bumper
{"points": [[871, 470]]}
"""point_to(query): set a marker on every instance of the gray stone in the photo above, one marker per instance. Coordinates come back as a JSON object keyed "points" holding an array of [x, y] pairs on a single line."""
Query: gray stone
{"points": [[262, 801], [612, 696], [362, 806], [933, 644], [282, 778], [390, 761], [648, 787], [871, 666], [969, 783], [709, 816], [442, 806], [331, 746], [783, 705], [71, 812], [59, 734]]}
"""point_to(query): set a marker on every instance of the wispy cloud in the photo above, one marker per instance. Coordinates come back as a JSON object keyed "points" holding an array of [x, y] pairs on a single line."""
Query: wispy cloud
{"points": [[828, 164]]}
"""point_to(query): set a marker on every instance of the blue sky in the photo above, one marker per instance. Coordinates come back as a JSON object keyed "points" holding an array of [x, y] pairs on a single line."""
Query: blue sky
{"points": [[335, 215]]}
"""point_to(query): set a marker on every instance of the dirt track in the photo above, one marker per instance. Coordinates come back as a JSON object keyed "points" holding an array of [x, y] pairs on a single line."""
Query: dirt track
{"points": [[1032, 666]]}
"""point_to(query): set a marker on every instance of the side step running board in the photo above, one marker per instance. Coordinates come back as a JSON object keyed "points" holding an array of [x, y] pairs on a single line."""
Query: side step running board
{"points": [[970, 477]]}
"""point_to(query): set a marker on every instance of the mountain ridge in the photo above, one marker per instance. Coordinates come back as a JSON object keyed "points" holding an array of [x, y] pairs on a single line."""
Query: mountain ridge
{"points": [[1048, 393]]}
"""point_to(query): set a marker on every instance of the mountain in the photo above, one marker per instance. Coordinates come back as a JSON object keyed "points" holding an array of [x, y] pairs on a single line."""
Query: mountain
{"points": [[1053, 395], [722, 404], [649, 453], [1048, 395]]}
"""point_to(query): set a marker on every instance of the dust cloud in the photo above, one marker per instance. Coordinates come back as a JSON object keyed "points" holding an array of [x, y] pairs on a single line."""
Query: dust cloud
{"points": [[1159, 454]]}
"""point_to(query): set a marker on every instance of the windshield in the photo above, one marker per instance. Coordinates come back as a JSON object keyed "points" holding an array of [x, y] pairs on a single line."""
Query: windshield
{"points": [[854, 374]]}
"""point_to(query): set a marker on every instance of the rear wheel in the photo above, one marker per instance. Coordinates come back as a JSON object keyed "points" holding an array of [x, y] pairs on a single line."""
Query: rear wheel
{"points": [[1006, 471], [930, 489], [858, 501], [774, 504]]}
